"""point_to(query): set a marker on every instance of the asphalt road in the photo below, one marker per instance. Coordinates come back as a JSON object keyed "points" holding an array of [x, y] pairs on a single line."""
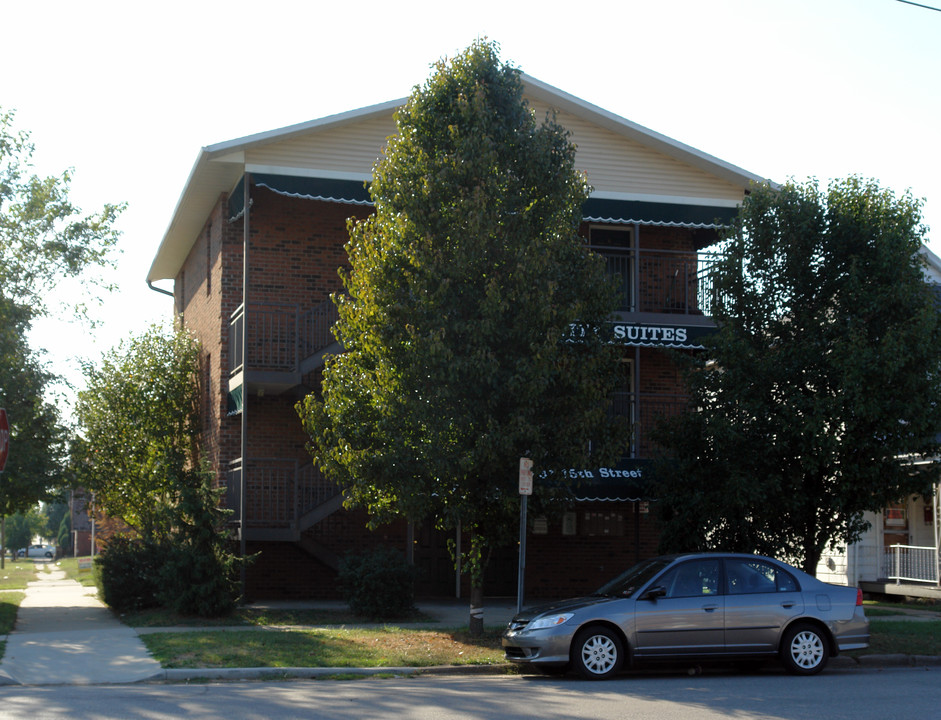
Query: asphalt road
{"points": [[852, 694]]}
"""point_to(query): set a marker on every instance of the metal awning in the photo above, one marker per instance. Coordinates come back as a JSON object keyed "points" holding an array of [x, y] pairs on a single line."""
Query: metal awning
{"points": [[623, 212], [347, 192], [630, 480], [629, 212], [234, 401]]}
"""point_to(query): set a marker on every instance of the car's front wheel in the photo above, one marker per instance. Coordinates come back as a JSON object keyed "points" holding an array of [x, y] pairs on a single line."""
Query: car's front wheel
{"points": [[804, 650], [597, 652]]}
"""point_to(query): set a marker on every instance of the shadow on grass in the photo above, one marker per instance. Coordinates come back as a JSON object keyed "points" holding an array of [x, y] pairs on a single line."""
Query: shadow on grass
{"points": [[321, 647]]}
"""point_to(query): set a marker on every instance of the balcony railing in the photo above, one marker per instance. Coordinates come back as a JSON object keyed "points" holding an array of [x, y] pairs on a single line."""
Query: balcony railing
{"points": [[645, 410], [663, 281], [280, 335], [279, 491]]}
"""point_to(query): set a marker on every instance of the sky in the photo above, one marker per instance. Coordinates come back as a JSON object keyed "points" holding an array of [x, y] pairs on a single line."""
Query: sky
{"points": [[127, 93]]}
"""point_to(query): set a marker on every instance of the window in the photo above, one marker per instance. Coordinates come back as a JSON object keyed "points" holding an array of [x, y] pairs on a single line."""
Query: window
{"points": [[692, 579], [746, 576]]}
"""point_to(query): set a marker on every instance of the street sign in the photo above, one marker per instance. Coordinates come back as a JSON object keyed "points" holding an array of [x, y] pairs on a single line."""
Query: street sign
{"points": [[4, 438], [526, 476]]}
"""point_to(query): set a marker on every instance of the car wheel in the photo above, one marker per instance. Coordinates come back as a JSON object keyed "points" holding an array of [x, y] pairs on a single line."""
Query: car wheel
{"points": [[597, 652], [49, 555], [804, 650]]}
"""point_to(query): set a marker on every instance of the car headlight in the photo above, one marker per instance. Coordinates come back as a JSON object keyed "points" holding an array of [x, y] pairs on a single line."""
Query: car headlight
{"points": [[548, 621]]}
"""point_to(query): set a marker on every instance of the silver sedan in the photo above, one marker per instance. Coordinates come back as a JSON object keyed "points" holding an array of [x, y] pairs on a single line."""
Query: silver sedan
{"points": [[704, 606]]}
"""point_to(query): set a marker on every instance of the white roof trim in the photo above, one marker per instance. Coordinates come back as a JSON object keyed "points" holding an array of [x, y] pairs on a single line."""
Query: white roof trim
{"points": [[285, 133], [218, 167], [675, 199], [307, 172]]}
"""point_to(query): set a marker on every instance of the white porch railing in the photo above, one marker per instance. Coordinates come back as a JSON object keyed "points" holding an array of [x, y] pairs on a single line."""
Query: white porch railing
{"points": [[911, 564]]}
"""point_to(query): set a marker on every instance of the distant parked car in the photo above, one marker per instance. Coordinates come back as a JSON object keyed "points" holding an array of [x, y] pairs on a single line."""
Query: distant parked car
{"points": [[38, 551], [696, 607]]}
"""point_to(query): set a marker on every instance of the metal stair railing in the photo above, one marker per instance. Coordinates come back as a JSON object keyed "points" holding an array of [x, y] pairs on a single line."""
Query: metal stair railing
{"points": [[280, 491]]}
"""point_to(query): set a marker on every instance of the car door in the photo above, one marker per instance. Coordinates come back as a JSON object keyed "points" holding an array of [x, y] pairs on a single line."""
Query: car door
{"points": [[760, 599], [688, 618]]}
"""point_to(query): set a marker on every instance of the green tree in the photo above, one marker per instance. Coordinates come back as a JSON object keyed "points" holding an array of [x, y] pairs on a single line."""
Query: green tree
{"points": [[53, 512], [472, 323], [819, 391], [22, 527], [64, 534], [44, 239], [139, 423], [138, 418], [37, 438]]}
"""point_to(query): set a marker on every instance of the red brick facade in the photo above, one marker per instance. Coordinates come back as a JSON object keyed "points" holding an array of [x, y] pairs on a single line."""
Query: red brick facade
{"points": [[296, 247]]}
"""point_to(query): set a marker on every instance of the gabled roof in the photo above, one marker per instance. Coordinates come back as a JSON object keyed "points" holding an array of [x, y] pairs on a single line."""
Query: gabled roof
{"points": [[624, 161]]}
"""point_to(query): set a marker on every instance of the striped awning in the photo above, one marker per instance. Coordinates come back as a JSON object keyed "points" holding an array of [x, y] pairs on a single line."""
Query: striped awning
{"points": [[623, 212]]}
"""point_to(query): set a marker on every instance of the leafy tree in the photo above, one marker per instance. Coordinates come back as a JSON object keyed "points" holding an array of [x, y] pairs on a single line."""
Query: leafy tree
{"points": [[139, 420], [820, 388], [37, 437], [472, 320], [64, 534], [44, 239], [22, 527]]}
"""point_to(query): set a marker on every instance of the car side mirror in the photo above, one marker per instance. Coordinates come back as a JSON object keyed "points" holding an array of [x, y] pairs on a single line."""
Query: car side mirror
{"points": [[657, 591]]}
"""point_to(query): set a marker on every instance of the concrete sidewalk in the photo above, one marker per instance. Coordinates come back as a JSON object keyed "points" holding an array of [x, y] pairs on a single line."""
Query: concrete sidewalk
{"points": [[65, 636]]}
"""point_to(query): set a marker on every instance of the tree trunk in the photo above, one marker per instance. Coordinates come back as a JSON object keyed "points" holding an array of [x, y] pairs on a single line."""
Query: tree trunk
{"points": [[477, 610]]}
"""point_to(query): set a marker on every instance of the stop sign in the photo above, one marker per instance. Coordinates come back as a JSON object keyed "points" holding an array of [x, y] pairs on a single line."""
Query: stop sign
{"points": [[4, 438]]}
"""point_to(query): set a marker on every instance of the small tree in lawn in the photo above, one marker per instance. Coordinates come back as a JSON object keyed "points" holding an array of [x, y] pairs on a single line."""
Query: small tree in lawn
{"points": [[137, 452], [472, 320], [821, 386]]}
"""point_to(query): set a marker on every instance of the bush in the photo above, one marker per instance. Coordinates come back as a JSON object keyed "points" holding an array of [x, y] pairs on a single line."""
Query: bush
{"points": [[190, 569], [128, 574], [198, 581], [378, 584]]}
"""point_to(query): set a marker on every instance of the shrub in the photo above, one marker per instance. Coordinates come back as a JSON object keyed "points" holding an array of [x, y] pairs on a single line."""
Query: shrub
{"points": [[378, 584], [198, 581], [128, 574]]}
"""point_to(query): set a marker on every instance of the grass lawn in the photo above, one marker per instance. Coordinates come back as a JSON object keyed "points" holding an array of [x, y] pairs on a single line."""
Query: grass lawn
{"points": [[882, 608], [16, 573], [392, 646], [70, 567], [903, 636], [324, 647]]}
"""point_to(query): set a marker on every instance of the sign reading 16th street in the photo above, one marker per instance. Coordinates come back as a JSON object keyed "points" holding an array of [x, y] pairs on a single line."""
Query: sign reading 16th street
{"points": [[4, 438]]}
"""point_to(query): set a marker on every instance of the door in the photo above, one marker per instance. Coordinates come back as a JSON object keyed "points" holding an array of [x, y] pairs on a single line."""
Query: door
{"points": [[760, 599], [689, 619]]}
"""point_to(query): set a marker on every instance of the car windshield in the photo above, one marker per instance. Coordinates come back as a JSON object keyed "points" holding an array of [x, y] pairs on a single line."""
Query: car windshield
{"points": [[628, 582]]}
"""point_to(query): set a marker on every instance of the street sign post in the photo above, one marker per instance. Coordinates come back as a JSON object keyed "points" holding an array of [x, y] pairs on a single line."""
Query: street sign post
{"points": [[4, 438], [4, 453], [526, 489]]}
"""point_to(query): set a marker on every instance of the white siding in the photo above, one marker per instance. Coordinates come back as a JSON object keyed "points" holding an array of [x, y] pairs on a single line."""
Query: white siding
{"points": [[350, 148], [616, 164]]}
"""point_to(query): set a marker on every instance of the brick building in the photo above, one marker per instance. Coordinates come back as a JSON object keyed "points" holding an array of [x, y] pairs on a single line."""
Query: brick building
{"points": [[653, 215]]}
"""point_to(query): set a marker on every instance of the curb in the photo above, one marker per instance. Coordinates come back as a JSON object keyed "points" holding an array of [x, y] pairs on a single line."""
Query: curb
{"points": [[272, 673], [841, 662]]}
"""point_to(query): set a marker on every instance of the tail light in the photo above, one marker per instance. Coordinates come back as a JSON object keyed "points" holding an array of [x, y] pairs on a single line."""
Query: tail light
{"points": [[859, 597]]}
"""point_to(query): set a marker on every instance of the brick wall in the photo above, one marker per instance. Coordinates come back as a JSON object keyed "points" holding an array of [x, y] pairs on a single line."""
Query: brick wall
{"points": [[296, 248]]}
